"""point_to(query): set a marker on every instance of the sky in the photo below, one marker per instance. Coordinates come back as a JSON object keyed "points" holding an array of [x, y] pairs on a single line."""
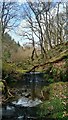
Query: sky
{"points": [[15, 36]]}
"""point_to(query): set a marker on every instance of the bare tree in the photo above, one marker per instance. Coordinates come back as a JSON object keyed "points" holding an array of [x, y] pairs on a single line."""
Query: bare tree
{"points": [[28, 29], [9, 15], [46, 26], [36, 7]]}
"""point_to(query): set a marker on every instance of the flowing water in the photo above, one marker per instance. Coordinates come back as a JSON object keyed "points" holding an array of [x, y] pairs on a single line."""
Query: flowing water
{"points": [[24, 108]]}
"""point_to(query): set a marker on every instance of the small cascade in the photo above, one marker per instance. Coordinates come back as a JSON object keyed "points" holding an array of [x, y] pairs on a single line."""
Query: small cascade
{"points": [[25, 102]]}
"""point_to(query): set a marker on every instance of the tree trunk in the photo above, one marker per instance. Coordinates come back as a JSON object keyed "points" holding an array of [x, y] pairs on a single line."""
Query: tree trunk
{"points": [[67, 21], [47, 33], [58, 24]]}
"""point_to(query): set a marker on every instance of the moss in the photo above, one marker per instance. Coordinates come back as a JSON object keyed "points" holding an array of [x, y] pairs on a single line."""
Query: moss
{"points": [[19, 70], [8, 67], [60, 56], [56, 105], [11, 69], [53, 108], [1, 86], [57, 72]]}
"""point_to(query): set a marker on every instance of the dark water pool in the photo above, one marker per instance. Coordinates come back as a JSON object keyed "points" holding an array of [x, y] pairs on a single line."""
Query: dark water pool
{"points": [[22, 109]]}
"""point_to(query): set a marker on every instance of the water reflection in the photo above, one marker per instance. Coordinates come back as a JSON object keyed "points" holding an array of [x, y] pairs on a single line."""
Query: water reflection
{"points": [[33, 85]]}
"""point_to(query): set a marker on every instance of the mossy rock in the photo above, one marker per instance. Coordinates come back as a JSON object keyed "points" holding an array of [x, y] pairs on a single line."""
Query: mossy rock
{"points": [[1, 86], [45, 93]]}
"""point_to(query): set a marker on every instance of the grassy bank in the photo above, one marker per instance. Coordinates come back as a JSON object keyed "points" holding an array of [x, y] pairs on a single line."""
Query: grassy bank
{"points": [[56, 107]]}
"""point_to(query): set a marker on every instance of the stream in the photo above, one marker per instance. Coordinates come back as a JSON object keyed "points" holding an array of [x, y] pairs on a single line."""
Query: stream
{"points": [[25, 107]]}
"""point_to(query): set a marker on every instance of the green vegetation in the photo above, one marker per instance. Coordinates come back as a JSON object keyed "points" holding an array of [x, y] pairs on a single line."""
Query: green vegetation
{"points": [[55, 107], [44, 25], [17, 58], [57, 72], [55, 68]]}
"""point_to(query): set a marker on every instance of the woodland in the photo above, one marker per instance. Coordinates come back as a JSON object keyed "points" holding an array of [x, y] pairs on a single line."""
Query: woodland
{"points": [[37, 70]]}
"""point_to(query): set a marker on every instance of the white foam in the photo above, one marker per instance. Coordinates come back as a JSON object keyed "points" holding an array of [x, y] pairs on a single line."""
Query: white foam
{"points": [[25, 102]]}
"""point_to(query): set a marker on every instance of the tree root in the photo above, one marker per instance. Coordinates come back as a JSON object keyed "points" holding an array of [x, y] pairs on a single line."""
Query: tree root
{"points": [[7, 93]]}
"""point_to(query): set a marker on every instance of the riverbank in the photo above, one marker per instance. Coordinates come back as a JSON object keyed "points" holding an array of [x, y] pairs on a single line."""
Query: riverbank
{"points": [[56, 106], [53, 103]]}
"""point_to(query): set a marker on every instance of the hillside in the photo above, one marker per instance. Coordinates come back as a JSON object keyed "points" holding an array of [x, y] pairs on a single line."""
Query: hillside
{"points": [[9, 47], [18, 59], [57, 54], [12, 51], [14, 57]]}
